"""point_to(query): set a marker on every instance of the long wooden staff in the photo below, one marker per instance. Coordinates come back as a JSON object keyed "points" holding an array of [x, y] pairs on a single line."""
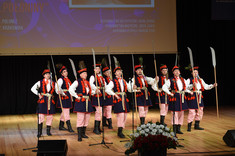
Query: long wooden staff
{"points": [[110, 63], [192, 65], [52, 61], [133, 62], [214, 65], [96, 84]]}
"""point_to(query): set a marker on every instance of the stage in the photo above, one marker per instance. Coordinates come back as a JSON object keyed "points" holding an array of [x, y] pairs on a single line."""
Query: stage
{"points": [[19, 131]]}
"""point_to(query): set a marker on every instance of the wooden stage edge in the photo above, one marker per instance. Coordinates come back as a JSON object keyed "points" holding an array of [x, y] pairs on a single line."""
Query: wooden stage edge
{"points": [[19, 131]]}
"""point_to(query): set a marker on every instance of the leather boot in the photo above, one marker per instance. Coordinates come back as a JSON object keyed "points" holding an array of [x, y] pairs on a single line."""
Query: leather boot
{"points": [[79, 133], [40, 130], [61, 126], [84, 132], [110, 123], [162, 120], [142, 120], [178, 129], [120, 134], [96, 129], [189, 127], [197, 127], [49, 131], [69, 126], [99, 127], [104, 121]]}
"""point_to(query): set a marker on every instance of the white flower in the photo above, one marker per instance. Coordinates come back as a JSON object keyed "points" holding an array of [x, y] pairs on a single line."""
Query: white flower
{"points": [[153, 125], [157, 126], [161, 126], [142, 132], [146, 134], [139, 128], [146, 130], [128, 145], [142, 126], [153, 133], [167, 129], [160, 131], [175, 138], [172, 134], [154, 130], [136, 135], [148, 124]]}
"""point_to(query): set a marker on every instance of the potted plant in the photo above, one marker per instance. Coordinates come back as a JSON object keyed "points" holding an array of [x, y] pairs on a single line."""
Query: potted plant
{"points": [[151, 139]]}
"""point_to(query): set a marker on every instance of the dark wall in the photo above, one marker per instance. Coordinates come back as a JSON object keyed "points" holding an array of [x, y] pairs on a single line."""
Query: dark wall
{"points": [[196, 30]]}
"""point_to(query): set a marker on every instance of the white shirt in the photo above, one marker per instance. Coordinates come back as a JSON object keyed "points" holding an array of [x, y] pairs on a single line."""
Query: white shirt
{"points": [[155, 86], [92, 83], [198, 85], [60, 83], [110, 86], [150, 81], [36, 86], [167, 85], [73, 87]]}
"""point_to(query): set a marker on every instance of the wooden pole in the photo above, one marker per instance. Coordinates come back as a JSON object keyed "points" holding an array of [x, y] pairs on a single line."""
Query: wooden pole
{"points": [[216, 93]]}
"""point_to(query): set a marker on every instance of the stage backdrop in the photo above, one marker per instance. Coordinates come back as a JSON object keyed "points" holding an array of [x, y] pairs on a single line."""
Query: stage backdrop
{"points": [[67, 27]]}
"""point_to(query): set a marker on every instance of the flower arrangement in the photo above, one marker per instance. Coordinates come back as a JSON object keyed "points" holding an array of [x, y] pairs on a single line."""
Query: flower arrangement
{"points": [[151, 137]]}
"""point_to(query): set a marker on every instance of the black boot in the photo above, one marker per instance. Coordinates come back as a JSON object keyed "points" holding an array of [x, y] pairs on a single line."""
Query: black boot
{"points": [[175, 128], [49, 131], [104, 121], [61, 126], [79, 133], [196, 126], [178, 129], [99, 127], [120, 134], [69, 126], [96, 129], [40, 130], [142, 120], [84, 132], [110, 123], [189, 127], [162, 120]]}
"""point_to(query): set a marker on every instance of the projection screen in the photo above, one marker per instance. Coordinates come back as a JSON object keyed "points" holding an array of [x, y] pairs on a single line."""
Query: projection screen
{"points": [[68, 27]]}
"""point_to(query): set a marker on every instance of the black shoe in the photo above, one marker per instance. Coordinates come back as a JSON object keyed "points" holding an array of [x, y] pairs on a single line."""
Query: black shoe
{"points": [[189, 127], [110, 123], [120, 134], [162, 120], [178, 131], [197, 127], [104, 121], [96, 129], [84, 132], [142, 120], [61, 126], [49, 131], [69, 126], [40, 130], [79, 133]]}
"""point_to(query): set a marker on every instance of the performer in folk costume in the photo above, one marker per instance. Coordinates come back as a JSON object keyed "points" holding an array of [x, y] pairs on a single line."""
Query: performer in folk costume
{"points": [[196, 85], [81, 90], [100, 90], [177, 99], [142, 93], [164, 98], [108, 103], [44, 89], [118, 88], [64, 83]]}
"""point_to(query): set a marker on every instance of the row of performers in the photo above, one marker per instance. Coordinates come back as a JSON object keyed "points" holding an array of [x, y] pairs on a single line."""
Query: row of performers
{"points": [[100, 91]]}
